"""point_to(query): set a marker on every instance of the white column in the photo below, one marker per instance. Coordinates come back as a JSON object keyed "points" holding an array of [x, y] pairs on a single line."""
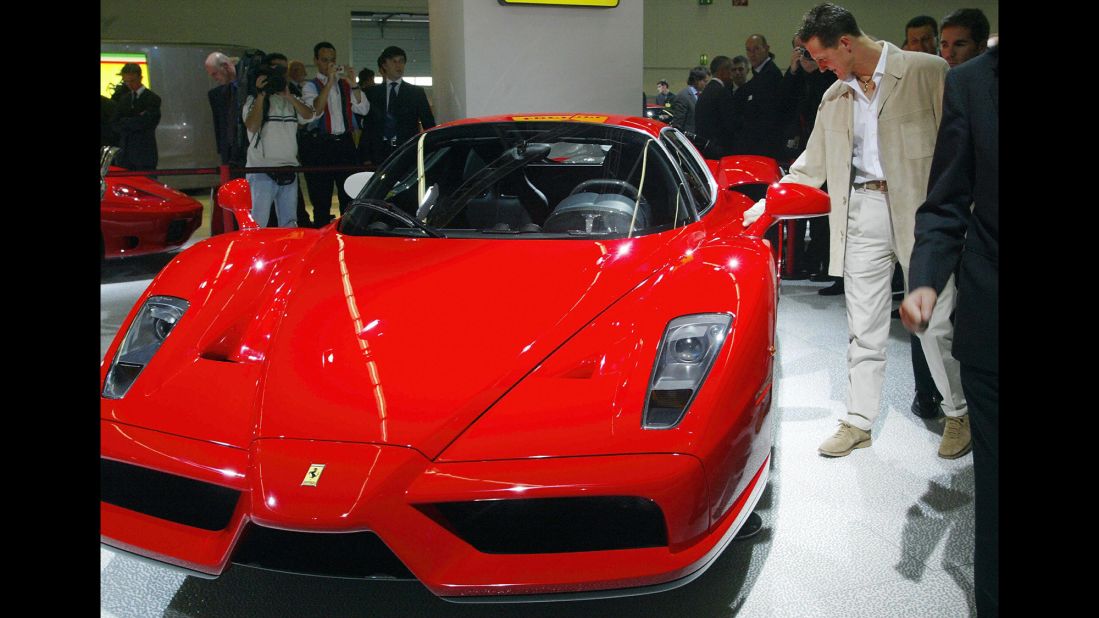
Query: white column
{"points": [[487, 58]]}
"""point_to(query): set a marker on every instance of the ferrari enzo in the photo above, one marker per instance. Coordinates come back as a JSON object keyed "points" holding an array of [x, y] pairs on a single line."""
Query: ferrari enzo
{"points": [[139, 215], [532, 360]]}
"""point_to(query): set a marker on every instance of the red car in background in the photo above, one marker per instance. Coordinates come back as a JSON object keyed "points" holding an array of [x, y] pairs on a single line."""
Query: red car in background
{"points": [[138, 216], [533, 359]]}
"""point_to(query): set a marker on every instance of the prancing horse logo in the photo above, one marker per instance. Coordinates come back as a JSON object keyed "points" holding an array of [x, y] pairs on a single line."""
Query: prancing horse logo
{"points": [[313, 475]]}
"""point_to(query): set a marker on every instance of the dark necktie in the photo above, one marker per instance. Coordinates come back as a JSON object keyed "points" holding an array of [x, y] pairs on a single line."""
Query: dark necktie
{"points": [[390, 129]]}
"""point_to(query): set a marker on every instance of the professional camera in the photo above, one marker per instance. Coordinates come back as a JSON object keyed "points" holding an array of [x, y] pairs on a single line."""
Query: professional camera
{"points": [[276, 78]]}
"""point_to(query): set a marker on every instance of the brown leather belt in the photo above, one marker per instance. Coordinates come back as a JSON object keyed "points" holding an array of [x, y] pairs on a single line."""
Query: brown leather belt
{"points": [[873, 185]]}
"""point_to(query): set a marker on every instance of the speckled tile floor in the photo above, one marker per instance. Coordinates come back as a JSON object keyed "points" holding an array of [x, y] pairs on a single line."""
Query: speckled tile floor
{"points": [[886, 531]]}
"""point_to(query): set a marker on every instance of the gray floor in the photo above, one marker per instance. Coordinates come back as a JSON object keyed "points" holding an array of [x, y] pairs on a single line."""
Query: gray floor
{"points": [[886, 531]]}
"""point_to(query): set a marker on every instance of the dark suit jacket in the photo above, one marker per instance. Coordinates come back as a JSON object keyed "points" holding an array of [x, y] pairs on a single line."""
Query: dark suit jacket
{"points": [[136, 123], [411, 109], [759, 110], [802, 94], [715, 120], [683, 110], [221, 102], [966, 170]]}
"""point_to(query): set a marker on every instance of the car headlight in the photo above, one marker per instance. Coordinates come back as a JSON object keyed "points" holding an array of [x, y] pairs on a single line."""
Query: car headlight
{"points": [[686, 352], [152, 325]]}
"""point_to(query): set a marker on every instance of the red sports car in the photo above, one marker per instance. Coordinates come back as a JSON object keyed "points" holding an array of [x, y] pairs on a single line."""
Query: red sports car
{"points": [[533, 358], [138, 215]]}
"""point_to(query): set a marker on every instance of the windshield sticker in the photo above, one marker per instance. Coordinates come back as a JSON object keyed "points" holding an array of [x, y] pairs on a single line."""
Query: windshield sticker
{"points": [[572, 117]]}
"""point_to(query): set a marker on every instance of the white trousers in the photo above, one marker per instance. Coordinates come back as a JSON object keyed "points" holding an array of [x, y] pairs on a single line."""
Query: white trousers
{"points": [[868, 264]]}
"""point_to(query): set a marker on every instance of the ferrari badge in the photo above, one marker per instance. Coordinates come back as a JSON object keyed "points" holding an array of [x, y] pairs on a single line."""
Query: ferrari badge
{"points": [[313, 475]]}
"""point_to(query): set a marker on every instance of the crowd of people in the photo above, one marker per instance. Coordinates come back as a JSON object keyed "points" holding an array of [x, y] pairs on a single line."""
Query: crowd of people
{"points": [[329, 123]]}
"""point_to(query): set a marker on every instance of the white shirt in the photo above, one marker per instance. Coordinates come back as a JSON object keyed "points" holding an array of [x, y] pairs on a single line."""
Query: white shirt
{"points": [[762, 64], [278, 143], [309, 94], [387, 89], [866, 158]]}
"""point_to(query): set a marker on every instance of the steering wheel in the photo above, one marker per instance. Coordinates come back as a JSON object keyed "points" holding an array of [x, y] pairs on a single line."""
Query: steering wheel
{"points": [[621, 186]]}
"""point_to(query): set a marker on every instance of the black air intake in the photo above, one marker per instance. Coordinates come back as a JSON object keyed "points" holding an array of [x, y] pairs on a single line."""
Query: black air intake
{"points": [[345, 554], [553, 525], [166, 496]]}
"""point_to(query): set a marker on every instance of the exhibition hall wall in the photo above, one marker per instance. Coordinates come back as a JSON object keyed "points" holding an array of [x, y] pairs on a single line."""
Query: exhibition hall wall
{"points": [[673, 34]]}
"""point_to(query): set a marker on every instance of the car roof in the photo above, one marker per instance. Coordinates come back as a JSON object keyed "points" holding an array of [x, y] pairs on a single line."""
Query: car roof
{"points": [[646, 125]]}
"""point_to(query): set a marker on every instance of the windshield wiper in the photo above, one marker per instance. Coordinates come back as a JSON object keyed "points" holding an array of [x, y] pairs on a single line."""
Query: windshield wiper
{"points": [[398, 214]]}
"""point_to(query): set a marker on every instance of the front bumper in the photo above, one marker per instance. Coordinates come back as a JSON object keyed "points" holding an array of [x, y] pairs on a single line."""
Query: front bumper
{"points": [[394, 493]]}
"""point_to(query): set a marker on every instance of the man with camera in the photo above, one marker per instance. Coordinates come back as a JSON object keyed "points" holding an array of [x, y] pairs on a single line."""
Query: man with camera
{"points": [[328, 141], [271, 116]]}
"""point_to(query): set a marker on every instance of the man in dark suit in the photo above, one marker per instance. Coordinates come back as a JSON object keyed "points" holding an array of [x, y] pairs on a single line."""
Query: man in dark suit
{"points": [[398, 109], [683, 107], [715, 116], [760, 104], [220, 68], [136, 115], [950, 236]]}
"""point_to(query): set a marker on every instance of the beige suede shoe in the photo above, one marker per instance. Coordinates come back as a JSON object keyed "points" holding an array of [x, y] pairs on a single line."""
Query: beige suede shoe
{"points": [[847, 438], [956, 437]]}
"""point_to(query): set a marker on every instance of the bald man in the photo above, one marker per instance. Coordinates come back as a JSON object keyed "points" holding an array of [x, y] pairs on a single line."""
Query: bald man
{"points": [[760, 104]]}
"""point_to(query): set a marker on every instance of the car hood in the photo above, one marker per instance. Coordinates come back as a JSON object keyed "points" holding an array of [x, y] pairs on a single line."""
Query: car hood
{"points": [[406, 341]]}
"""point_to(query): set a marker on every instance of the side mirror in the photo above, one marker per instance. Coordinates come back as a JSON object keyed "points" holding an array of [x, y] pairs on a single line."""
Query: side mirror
{"points": [[355, 182], [106, 155], [236, 195], [790, 201]]}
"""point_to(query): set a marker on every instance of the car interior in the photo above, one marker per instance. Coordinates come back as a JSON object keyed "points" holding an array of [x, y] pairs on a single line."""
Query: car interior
{"points": [[601, 181]]}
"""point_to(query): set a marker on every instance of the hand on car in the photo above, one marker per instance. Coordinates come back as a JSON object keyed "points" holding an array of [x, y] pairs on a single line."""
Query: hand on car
{"points": [[754, 212]]}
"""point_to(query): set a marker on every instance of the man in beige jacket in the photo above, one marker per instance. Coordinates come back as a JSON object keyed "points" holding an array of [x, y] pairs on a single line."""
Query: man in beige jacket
{"points": [[872, 143]]}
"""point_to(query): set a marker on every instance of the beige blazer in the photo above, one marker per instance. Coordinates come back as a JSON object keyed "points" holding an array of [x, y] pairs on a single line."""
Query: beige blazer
{"points": [[910, 108]]}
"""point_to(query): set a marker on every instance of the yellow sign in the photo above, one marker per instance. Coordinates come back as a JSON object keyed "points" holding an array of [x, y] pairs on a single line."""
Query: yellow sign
{"points": [[313, 475], [595, 3], [560, 118], [111, 63]]}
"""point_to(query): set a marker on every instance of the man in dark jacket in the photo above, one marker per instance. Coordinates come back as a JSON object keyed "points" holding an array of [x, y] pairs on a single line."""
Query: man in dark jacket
{"points": [[683, 107], [136, 115], [398, 109], [715, 116], [759, 103], [950, 236]]}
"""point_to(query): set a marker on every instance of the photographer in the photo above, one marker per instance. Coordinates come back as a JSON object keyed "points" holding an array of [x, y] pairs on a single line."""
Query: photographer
{"points": [[272, 117], [328, 140]]}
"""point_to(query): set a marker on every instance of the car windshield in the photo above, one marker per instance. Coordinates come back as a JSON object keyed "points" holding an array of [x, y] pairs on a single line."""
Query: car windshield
{"points": [[533, 179]]}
